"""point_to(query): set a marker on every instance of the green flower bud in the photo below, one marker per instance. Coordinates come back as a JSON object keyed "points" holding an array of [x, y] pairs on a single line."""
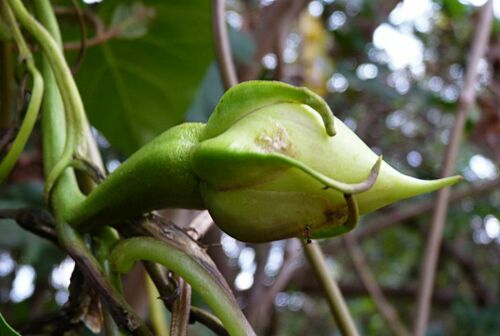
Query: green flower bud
{"points": [[271, 163], [261, 177]]}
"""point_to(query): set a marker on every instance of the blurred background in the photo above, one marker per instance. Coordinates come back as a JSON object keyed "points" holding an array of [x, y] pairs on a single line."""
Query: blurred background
{"points": [[391, 70]]}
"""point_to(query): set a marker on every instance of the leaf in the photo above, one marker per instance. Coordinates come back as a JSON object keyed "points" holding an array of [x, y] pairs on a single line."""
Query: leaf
{"points": [[6, 329], [132, 20], [135, 88], [208, 95], [211, 88]]}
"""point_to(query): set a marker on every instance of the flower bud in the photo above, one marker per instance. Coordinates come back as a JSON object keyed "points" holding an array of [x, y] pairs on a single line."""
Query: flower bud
{"points": [[275, 173], [271, 163]]}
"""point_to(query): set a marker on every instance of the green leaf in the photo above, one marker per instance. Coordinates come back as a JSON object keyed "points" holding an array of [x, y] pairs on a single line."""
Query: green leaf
{"points": [[6, 329], [142, 82], [132, 20], [211, 88]]}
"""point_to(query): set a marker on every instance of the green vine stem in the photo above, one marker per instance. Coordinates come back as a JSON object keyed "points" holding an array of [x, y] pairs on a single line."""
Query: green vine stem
{"points": [[75, 114], [6, 72], [331, 289], [53, 117], [66, 191], [103, 242], [114, 301], [34, 105], [215, 295], [157, 311], [166, 291]]}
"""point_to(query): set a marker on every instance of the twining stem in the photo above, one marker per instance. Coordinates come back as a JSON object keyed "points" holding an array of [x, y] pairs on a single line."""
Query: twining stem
{"points": [[104, 240], [157, 311], [214, 294], [24, 50], [75, 114], [6, 73], [35, 101], [54, 122], [166, 291], [66, 192], [333, 295]]}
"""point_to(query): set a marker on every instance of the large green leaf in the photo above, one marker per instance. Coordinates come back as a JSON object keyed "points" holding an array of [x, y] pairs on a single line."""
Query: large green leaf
{"points": [[139, 85], [211, 88]]}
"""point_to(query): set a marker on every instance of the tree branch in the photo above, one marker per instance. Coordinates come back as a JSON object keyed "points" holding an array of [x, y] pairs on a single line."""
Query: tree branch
{"points": [[166, 289], [34, 220], [291, 263], [467, 98], [368, 279], [331, 290], [254, 295], [222, 45], [301, 280], [275, 20], [181, 308]]}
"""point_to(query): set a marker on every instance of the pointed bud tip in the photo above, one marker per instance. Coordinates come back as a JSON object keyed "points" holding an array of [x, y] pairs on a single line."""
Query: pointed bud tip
{"points": [[451, 180], [443, 182]]}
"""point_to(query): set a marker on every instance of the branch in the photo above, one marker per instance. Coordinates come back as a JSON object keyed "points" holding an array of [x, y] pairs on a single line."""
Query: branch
{"points": [[254, 295], [34, 220], [200, 225], [41, 223], [102, 34], [168, 289], [275, 20], [185, 257], [368, 279], [331, 290], [114, 301], [55, 141], [181, 308], [406, 293], [222, 45], [467, 98], [278, 48], [154, 227], [69, 317], [291, 263], [12, 156]]}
